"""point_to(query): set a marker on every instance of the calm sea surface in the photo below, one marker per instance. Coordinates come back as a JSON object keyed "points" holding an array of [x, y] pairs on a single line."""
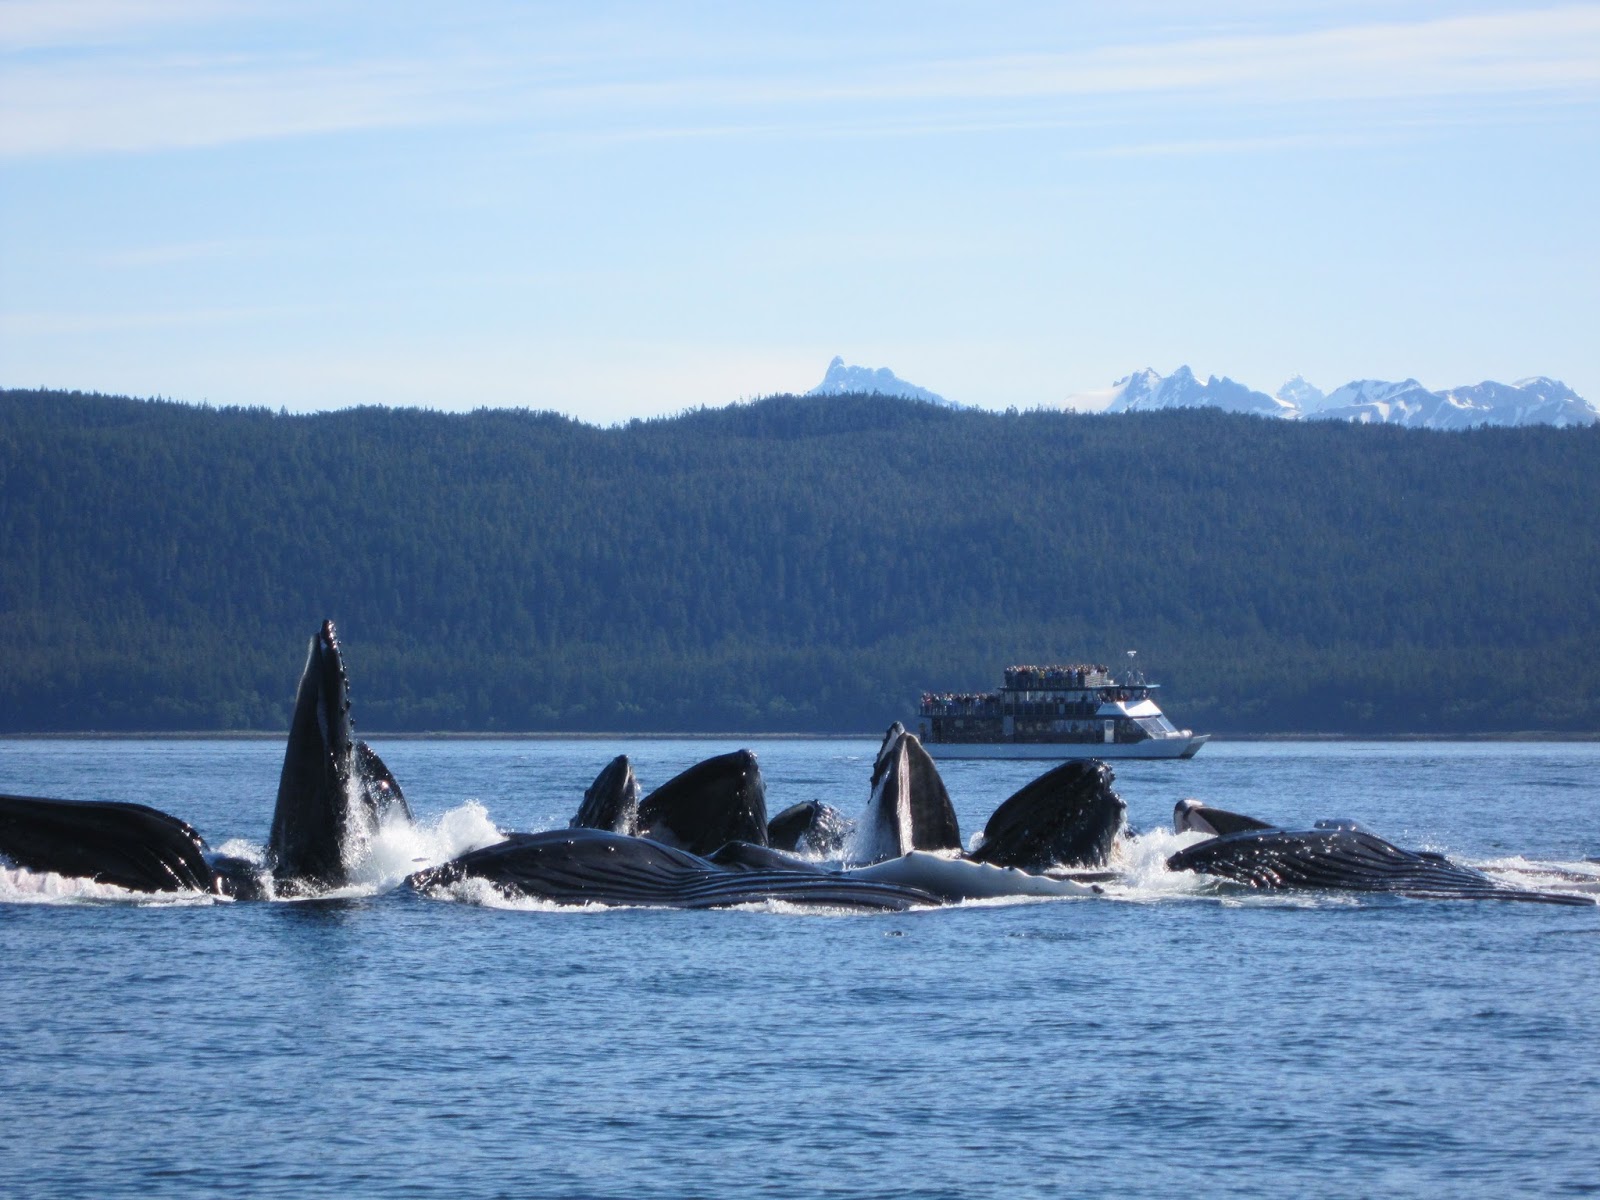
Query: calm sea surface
{"points": [[1162, 1040]]}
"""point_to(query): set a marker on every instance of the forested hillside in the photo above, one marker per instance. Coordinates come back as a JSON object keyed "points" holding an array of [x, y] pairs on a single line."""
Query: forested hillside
{"points": [[798, 563]]}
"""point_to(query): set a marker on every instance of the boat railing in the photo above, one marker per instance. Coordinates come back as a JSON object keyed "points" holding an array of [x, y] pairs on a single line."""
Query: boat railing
{"points": [[1056, 677]]}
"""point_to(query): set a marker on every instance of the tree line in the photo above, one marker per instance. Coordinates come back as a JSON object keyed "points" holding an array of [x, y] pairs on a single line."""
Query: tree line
{"points": [[793, 563]]}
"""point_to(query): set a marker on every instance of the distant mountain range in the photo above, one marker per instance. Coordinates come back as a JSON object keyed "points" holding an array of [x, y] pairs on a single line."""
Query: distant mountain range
{"points": [[841, 380], [1537, 401]]}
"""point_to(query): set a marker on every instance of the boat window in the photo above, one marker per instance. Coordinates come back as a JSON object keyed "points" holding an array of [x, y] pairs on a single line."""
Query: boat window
{"points": [[1156, 727]]}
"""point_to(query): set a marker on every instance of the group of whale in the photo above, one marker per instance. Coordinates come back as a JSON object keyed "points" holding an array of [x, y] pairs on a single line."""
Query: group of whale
{"points": [[703, 839]]}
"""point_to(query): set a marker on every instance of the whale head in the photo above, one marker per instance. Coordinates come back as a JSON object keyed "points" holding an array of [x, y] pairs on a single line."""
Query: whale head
{"points": [[909, 808], [334, 792], [1068, 817]]}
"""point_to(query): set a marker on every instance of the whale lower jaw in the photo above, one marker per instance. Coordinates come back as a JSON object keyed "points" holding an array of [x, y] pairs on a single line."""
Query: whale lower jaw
{"points": [[953, 878], [590, 866]]}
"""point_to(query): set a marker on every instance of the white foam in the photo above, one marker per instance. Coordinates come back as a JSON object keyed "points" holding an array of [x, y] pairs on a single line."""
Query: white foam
{"points": [[1140, 866], [18, 885], [399, 847], [1534, 876], [479, 891]]}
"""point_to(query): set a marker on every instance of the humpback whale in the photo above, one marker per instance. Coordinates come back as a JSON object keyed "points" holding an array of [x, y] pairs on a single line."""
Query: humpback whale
{"points": [[130, 845], [612, 801], [1190, 816], [1068, 817], [334, 792], [909, 808], [1342, 855], [595, 866], [810, 827], [333, 795], [909, 834], [714, 802]]}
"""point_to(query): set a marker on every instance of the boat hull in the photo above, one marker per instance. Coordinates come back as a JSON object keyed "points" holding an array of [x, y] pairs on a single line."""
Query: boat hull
{"points": [[1177, 747]]}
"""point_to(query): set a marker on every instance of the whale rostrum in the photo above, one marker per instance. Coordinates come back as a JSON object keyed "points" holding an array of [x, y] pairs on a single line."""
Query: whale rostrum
{"points": [[334, 793]]}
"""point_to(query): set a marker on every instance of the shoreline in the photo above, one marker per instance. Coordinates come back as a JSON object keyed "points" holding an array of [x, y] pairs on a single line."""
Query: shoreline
{"points": [[257, 735]]}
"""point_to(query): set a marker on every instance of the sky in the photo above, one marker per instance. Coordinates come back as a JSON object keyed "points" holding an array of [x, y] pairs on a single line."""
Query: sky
{"points": [[623, 210]]}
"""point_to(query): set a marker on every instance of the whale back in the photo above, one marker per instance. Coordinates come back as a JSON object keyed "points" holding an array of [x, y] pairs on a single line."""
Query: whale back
{"points": [[720, 800], [1068, 817], [1190, 816], [130, 845], [593, 866], [334, 793], [1348, 858], [909, 808], [612, 800]]}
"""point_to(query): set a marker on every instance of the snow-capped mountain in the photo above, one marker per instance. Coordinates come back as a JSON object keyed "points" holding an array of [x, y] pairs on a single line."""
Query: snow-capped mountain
{"points": [[1537, 401], [1146, 390], [1297, 393], [841, 380], [1375, 402]]}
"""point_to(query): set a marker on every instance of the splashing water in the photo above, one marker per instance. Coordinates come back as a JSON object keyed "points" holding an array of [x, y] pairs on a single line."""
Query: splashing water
{"points": [[392, 851], [398, 847], [18, 885]]}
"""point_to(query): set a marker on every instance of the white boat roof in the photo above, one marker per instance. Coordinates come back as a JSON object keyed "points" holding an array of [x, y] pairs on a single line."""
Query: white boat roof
{"points": [[1129, 708]]}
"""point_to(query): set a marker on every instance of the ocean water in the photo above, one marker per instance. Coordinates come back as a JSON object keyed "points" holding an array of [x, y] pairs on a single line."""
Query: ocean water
{"points": [[1167, 1038]]}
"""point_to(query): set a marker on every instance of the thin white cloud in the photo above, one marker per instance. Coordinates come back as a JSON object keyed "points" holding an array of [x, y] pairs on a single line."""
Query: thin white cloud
{"points": [[138, 257], [41, 24], [77, 324], [102, 102]]}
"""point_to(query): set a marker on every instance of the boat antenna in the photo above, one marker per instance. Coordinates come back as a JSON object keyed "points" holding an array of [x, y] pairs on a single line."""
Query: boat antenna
{"points": [[1132, 671]]}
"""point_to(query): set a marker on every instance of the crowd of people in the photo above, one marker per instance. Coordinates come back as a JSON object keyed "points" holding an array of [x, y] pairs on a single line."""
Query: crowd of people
{"points": [[1018, 679], [1035, 679], [961, 704]]}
